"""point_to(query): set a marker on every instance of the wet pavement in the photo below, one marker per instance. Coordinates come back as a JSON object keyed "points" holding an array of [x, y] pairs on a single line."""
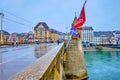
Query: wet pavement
{"points": [[14, 59]]}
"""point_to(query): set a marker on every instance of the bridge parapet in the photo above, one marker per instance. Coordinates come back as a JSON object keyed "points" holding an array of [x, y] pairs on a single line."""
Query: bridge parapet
{"points": [[58, 64], [48, 67]]}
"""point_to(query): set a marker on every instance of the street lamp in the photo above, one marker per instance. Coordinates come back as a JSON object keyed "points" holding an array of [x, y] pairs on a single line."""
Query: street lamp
{"points": [[1, 16], [67, 34], [1, 21]]}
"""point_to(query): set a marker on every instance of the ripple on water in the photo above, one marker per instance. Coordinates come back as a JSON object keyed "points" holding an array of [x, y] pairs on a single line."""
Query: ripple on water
{"points": [[103, 65]]}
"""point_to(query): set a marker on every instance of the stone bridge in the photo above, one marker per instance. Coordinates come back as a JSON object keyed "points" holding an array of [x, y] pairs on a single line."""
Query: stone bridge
{"points": [[64, 62]]}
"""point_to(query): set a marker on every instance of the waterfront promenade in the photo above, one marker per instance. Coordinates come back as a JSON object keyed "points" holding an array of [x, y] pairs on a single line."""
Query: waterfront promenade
{"points": [[104, 49]]}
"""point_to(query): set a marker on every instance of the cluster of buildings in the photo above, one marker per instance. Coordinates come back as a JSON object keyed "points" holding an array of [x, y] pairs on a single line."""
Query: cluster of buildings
{"points": [[41, 33], [100, 37], [16, 37]]}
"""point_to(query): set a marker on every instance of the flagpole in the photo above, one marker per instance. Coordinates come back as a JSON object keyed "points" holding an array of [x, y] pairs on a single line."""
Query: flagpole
{"points": [[84, 3]]}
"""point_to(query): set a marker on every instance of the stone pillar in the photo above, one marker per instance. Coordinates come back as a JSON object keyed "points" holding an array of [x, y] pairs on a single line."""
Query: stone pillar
{"points": [[74, 66]]}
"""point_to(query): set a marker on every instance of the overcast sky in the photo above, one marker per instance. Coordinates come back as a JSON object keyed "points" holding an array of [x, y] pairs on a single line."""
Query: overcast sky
{"points": [[102, 15]]}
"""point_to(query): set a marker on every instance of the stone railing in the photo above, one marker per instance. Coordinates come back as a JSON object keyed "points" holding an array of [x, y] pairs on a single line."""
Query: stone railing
{"points": [[58, 64], [48, 67]]}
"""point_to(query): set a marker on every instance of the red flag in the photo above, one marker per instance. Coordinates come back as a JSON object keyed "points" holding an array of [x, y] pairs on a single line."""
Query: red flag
{"points": [[81, 19]]}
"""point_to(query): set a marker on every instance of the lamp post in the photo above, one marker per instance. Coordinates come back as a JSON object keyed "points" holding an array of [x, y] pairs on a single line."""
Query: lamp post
{"points": [[67, 34], [1, 21]]}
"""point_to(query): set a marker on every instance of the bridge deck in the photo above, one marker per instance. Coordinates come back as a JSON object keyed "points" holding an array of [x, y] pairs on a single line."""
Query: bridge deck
{"points": [[37, 69]]}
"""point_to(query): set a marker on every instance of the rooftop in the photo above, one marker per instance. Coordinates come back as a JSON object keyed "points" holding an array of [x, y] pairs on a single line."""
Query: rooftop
{"points": [[105, 33], [87, 28], [116, 32], [41, 23], [5, 32]]}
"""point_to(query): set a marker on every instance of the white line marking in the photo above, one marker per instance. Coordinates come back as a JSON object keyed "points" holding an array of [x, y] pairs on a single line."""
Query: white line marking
{"points": [[15, 58]]}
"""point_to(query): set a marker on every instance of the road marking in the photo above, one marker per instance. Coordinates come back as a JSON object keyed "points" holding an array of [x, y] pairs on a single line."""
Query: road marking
{"points": [[16, 48], [20, 56], [15, 58]]}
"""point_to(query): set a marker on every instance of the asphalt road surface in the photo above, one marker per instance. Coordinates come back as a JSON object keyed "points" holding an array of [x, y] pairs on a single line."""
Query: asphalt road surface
{"points": [[14, 59]]}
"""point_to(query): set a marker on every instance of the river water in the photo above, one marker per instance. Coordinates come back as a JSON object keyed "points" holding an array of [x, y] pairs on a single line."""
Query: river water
{"points": [[103, 65]]}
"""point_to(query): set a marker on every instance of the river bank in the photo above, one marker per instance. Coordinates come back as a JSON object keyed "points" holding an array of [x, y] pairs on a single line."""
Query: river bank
{"points": [[104, 49]]}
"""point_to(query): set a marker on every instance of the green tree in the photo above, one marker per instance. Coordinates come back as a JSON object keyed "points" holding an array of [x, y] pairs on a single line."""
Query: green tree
{"points": [[100, 48]]}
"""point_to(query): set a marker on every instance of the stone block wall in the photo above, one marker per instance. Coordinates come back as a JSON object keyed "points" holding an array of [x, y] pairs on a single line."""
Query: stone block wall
{"points": [[74, 66]]}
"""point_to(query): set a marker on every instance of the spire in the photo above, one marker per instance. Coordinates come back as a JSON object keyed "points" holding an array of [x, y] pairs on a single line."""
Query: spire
{"points": [[75, 20], [75, 14]]}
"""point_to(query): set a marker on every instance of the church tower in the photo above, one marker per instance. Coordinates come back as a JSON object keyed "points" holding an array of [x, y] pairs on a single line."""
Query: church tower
{"points": [[79, 29], [75, 20]]}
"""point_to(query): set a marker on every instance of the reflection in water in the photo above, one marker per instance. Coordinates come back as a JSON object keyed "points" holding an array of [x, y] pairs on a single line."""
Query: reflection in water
{"points": [[40, 50], [103, 65], [38, 54], [118, 54], [1, 67]]}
